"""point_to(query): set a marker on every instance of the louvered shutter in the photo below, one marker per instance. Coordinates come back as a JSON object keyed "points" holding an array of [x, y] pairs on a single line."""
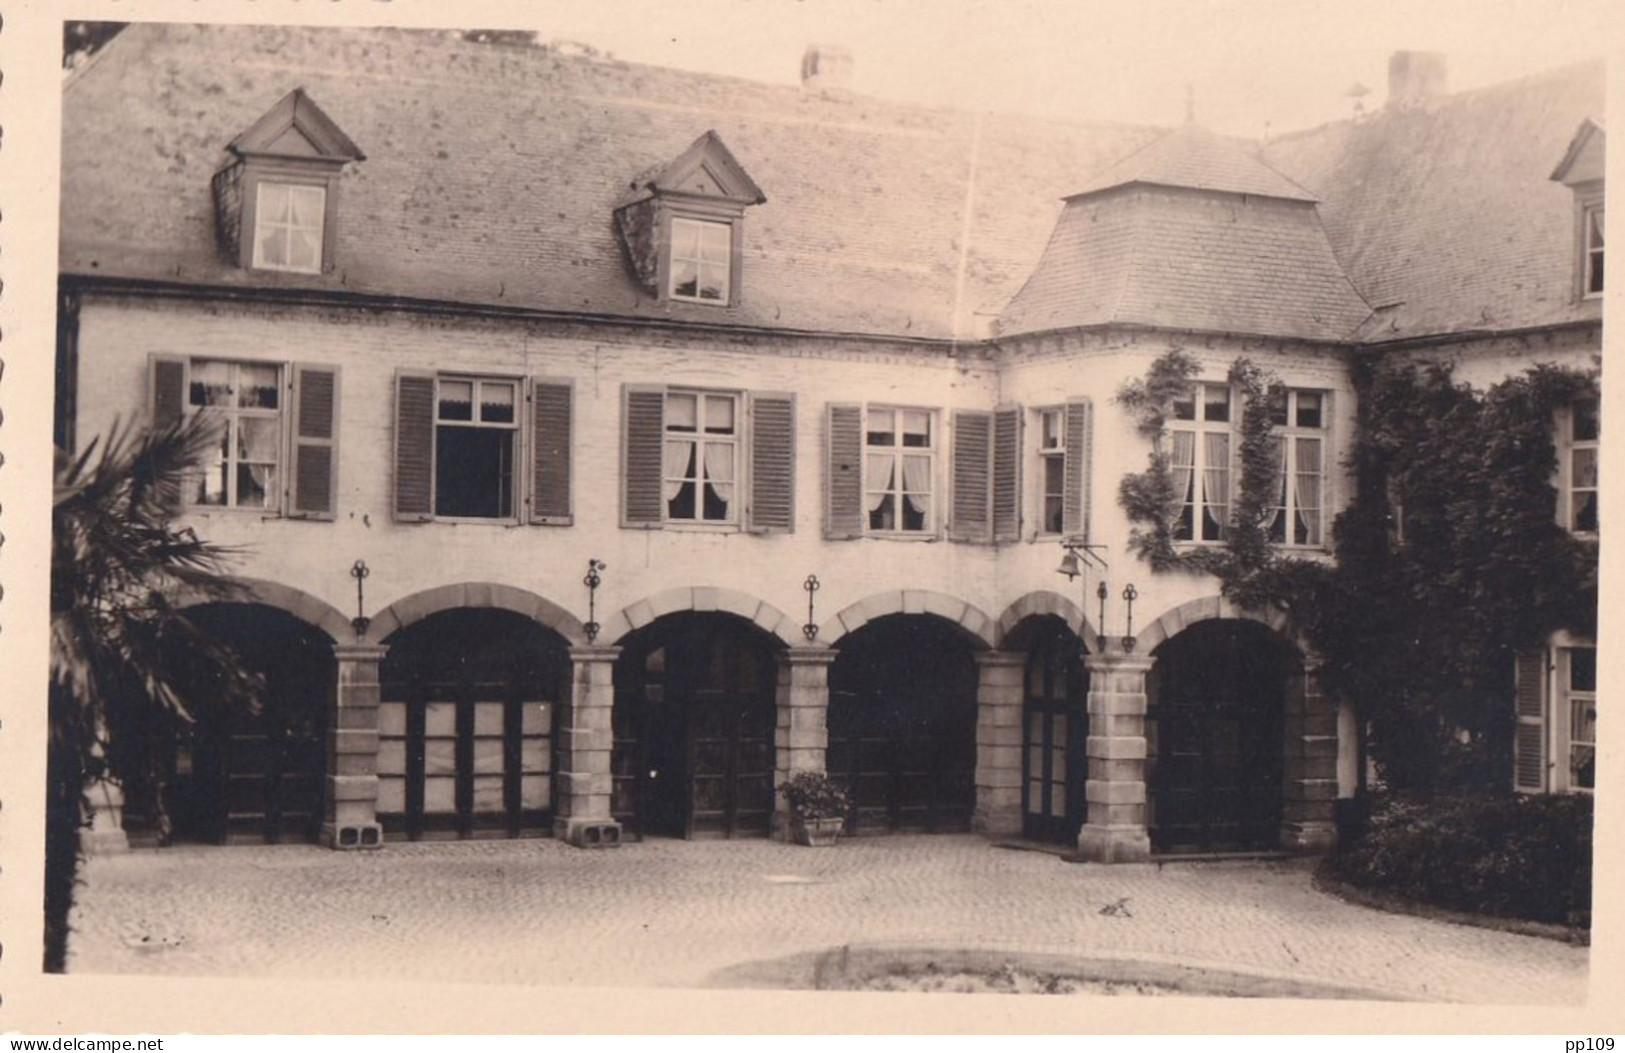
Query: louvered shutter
{"points": [[972, 477], [167, 378], [313, 479], [843, 471], [644, 417], [552, 409], [1007, 474], [414, 446], [1075, 490], [1529, 739], [168, 388], [772, 506]]}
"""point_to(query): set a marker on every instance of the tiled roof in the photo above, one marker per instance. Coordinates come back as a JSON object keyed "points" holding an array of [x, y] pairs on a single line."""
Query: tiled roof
{"points": [[1444, 216], [1188, 259], [1192, 156], [492, 173]]}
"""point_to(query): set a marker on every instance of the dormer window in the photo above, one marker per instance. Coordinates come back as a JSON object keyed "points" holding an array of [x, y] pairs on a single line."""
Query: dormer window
{"points": [[682, 226], [1582, 171], [276, 200]]}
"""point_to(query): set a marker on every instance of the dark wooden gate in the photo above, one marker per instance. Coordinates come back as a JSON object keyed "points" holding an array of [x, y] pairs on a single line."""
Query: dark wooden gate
{"points": [[902, 726], [466, 727], [258, 776], [1056, 728], [1219, 724], [694, 719]]}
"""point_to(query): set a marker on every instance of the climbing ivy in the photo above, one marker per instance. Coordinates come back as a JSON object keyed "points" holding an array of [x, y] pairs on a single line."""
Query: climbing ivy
{"points": [[1449, 558]]}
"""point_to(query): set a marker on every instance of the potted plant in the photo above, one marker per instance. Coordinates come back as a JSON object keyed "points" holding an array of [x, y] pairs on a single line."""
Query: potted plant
{"points": [[818, 807]]}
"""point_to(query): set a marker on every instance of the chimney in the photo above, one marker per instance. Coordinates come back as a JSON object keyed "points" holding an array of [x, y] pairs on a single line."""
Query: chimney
{"points": [[826, 67], [1415, 78]]}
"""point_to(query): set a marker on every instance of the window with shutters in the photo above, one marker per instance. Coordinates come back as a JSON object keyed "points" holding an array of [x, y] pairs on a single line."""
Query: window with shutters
{"points": [[1200, 462], [1300, 420], [1052, 470], [480, 448], [1581, 429], [899, 470], [1555, 748], [276, 441], [476, 443], [707, 459]]}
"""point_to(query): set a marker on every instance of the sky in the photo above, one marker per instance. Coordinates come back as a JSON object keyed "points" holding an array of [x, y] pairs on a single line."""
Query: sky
{"points": [[1252, 67]]}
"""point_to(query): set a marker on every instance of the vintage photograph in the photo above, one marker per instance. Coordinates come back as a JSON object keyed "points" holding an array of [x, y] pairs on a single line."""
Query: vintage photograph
{"points": [[554, 501]]}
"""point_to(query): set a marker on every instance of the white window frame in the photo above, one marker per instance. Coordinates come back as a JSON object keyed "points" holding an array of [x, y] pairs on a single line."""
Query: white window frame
{"points": [[231, 418], [514, 428], [1569, 446], [1592, 246], [700, 438], [898, 490], [1051, 434], [1289, 435], [263, 224], [699, 261], [1200, 426]]}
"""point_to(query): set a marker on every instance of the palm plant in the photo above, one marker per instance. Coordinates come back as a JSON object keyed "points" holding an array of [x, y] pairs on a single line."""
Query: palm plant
{"points": [[127, 669]]}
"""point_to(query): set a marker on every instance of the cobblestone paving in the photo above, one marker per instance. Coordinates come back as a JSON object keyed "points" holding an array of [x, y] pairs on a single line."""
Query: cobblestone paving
{"points": [[672, 913]]}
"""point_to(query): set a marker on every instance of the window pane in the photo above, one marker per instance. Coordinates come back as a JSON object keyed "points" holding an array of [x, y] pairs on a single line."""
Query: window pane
{"points": [[714, 242], [254, 485], [685, 277], [1595, 228], [304, 250], [307, 202], [273, 245], [916, 428], [881, 425], [211, 384], [1310, 406], [685, 240], [682, 412], [1185, 407], [474, 472], [1583, 669], [211, 486], [274, 202], [1585, 468], [719, 414], [1278, 404], [456, 400], [1050, 430], [1584, 519], [258, 439], [497, 400], [713, 281], [1215, 402], [1586, 422]]}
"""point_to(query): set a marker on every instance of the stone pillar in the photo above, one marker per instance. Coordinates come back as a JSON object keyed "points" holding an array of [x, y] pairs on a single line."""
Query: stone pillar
{"points": [[999, 677], [103, 832], [586, 738], [1307, 820], [801, 731], [1115, 830], [352, 751]]}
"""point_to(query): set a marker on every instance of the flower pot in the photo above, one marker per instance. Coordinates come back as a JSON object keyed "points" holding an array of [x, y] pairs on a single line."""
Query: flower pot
{"points": [[817, 833]]}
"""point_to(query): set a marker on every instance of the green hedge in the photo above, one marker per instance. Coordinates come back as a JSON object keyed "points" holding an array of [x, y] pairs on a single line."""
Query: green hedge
{"points": [[1509, 856]]}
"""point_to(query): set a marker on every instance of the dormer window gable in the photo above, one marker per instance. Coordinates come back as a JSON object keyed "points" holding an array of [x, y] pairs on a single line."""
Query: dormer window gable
{"points": [[682, 225], [1582, 171], [276, 198]]}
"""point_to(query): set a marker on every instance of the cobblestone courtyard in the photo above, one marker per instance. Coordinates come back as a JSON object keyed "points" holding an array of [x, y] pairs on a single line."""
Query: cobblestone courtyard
{"points": [[676, 914]]}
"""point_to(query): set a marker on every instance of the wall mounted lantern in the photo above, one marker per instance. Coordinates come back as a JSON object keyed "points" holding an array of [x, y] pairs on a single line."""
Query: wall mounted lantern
{"points": [[594, 578], [810, 630], [360, 623]]}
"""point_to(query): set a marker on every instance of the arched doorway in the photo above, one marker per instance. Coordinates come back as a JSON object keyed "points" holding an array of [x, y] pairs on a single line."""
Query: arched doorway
{"points": [[1055, 730], [467, 726], [1216, 718], [257, 776], [902, 725], [695, 706]]}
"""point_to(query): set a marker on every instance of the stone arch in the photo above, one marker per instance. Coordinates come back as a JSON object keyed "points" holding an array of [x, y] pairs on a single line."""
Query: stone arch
{"points": [[703, 598], [910, 601], [1206, 609], [1046, 601], [317, 613], [487, 595]]}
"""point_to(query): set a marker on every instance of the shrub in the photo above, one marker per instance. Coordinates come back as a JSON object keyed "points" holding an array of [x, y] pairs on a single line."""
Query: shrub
{"points": [[1508, 856], [814, 795]]}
